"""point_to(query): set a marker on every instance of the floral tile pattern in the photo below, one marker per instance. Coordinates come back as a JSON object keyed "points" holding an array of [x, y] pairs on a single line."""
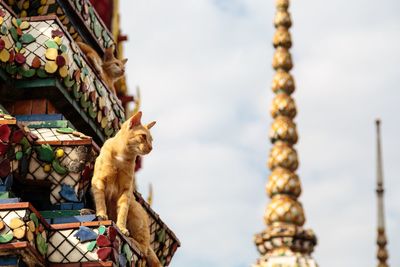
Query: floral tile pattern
{"points": [[42, 49], [76, 160], [83, 9], [66, 246], [19, 223]]}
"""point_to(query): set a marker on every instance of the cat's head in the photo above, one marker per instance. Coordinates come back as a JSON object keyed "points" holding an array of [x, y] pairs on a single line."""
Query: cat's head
{"points": [[138, 136], [113, 66]]}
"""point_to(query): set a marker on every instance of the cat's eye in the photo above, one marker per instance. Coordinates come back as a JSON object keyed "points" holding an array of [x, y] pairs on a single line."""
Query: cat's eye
{"points": [[143, 136]]}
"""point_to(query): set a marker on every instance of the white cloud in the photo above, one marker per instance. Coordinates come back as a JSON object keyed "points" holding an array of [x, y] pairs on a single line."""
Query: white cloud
{"points": [[204, 70]]}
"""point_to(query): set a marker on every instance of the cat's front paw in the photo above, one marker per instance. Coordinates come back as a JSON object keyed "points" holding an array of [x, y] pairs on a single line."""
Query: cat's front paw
{"points": [[123, 230], [102, 216]]}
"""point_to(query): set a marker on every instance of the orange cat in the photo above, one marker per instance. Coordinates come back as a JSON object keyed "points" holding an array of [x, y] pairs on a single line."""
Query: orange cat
{"points": [[110, 68], [113, 183]]}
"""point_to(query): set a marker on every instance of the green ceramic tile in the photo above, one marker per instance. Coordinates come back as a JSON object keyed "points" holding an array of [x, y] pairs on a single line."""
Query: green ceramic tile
{"points": [[51, 214], [4, 195], [49, 124]]}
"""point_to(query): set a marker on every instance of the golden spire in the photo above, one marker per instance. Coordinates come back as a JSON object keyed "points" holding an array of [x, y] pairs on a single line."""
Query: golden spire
{"points": [[284, 242], [382, 254]]}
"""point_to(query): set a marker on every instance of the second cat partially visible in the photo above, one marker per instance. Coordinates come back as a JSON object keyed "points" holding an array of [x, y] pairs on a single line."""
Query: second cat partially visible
{"points": [[110, 68]]}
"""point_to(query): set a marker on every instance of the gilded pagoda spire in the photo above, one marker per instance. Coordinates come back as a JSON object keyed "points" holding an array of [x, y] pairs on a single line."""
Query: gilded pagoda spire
{"points": [[382, 254], [284, 242]]}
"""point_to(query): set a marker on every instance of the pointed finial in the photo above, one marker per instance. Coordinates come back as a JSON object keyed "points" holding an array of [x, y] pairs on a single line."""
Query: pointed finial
{"points": [[382, 253]]}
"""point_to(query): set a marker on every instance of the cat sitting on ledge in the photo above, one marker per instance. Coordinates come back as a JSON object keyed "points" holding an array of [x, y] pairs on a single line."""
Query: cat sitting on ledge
{"points": [[113, 183]]}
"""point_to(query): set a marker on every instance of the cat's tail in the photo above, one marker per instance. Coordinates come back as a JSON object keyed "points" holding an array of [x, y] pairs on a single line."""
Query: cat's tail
{"points": [[152, 259], [86, 49]]}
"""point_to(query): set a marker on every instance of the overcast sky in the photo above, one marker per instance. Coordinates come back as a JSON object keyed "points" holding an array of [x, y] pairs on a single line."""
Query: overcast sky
{"points": [[204, 69]]}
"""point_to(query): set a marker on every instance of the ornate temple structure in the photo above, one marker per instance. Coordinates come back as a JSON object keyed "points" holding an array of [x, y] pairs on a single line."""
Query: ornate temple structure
{"points": [[284, 242], [382, 254], [55, 114]]}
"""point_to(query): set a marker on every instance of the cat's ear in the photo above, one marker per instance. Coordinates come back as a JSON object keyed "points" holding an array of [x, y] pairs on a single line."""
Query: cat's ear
{"points": [[135, 120], [124, 61], [150, 125], [109, 54]]}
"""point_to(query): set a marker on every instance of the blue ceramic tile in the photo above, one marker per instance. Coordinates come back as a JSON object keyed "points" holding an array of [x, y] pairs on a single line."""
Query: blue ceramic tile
{"points": [[8, 181], [78, 206], [68, 193], [8, 261], [66, 206], [122, 260], [85, 234], [9, 200], [86, 218], [82, 218]]}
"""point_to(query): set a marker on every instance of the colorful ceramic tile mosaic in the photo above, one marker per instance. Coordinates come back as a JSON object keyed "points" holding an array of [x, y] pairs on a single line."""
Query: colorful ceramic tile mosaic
{"points": [[69, 181], [41, 49], [58, 136], [81, 10], [6, 118], [49, 134], [91, 242], [163, 240], [20, 222], [68, 172], [12, 142], [63, 166], [67, 166], [46, 161]]}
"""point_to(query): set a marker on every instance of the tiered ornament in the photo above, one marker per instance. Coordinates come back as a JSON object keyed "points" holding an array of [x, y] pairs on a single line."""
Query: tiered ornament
{"points": [[284, 242]]}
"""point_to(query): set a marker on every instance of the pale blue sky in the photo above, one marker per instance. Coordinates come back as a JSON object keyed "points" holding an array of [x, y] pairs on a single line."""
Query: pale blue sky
{"points": [[204, 69]]}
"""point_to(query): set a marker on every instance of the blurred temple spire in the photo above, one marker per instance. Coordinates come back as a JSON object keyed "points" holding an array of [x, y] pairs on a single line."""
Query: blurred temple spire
{"points": [[382, 254], [284, 242]]}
